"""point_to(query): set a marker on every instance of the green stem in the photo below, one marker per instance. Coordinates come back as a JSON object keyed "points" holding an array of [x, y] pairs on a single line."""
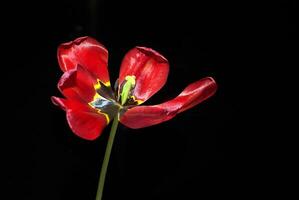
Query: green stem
{"points": [[106, 159]]}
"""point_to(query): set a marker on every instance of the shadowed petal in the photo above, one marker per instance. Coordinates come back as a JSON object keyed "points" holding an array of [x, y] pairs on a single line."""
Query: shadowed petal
{"points": [[84, 121], [78, 83], [193, 94]]}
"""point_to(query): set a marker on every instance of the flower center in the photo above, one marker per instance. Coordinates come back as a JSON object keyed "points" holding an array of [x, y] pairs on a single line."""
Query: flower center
{"points": [[104, 101]]}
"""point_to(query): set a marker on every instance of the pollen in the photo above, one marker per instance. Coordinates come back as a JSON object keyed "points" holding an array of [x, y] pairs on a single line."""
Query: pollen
{"points": [[97, 86], [138, 101]]}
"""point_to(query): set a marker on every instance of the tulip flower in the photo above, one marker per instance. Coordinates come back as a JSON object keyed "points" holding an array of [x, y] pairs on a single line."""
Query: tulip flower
{"points": [[91, 103]]}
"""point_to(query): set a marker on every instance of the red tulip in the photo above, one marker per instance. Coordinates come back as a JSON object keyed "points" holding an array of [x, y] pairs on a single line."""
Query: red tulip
{"points": [[90, 102]]}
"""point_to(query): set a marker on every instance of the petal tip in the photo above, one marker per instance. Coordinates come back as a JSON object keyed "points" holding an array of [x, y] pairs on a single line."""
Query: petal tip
{"points": [[211, 79], [156, 55], [67, 79], [80, 40], [58, 102], [213, 82], [77, 41]]}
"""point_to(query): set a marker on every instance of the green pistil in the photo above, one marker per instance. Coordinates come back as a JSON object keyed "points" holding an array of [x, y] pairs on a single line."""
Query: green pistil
{"points": [[127, 88]]}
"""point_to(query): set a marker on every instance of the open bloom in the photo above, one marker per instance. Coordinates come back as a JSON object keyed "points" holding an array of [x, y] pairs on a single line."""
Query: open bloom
{"points": [[91, 103]]}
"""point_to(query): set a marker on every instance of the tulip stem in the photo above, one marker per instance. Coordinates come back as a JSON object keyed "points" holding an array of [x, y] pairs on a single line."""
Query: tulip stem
{"points": [[106, 159]]}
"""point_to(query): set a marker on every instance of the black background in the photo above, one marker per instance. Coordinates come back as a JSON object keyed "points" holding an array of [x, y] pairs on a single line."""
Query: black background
{"points": [[209, 151]]}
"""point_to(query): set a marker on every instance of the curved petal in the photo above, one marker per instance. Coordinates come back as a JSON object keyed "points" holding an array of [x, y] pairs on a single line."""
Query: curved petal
{"points": [[86, 52], [193, 94], [78, 83], [84, 121], [149, 68]]}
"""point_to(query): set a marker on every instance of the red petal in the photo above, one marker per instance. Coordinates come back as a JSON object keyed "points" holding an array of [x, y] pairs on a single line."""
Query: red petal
{"points": [[86, 52], [84, 121], [150, 69], [193, 94], [78, 83]]}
